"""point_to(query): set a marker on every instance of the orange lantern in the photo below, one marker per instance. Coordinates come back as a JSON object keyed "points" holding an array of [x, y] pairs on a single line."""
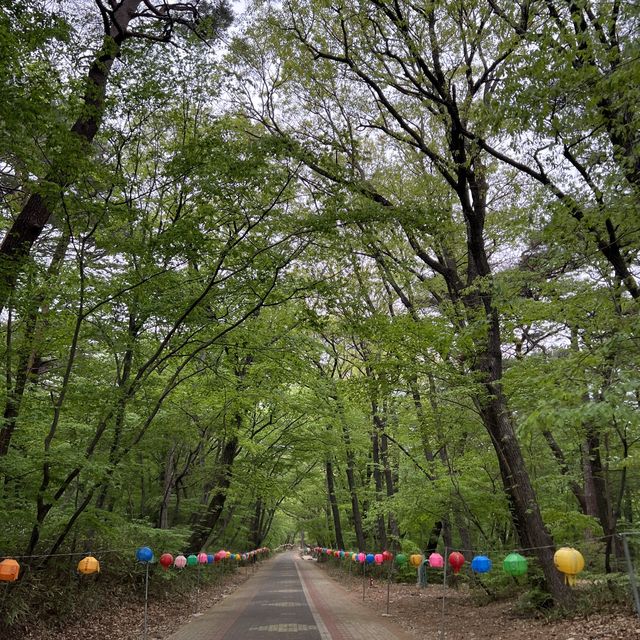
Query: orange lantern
{"points": [[9, 570], [88, 565], [416, 559]]}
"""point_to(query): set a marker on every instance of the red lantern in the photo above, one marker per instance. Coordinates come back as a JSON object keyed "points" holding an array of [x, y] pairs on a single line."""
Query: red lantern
{"points": [[166, 560], [387, 556], [456, 560]]}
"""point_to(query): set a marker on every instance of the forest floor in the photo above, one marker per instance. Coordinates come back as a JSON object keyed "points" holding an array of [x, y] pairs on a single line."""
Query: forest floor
{"points": [[418, 610], [122, 617]]}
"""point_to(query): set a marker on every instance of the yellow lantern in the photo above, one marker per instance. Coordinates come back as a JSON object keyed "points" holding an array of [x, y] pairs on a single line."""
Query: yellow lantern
{"points": [[570, 562], [9, 570], [416, 560], [88, 565]]}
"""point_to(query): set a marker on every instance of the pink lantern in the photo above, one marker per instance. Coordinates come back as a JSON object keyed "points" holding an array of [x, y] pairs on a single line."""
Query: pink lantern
{"points": [[180, 562], [361, 557], [202, 558], [378, 558], [436, 561]]}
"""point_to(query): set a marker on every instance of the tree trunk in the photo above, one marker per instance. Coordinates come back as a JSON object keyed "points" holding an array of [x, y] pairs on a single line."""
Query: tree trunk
{"points": [[334, 505], [28, 353], [167, 485], [377, 479], [208, 521], [35, 214], [355, 504]]}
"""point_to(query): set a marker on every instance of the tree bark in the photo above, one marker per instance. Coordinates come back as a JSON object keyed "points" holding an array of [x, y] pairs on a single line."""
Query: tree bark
{"points": [[353, 492], [209, 519], [337, 524]]}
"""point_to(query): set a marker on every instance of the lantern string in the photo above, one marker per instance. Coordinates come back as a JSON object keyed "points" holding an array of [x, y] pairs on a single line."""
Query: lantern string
{"points": [[122, 551], [500, 550], [485, 550]]}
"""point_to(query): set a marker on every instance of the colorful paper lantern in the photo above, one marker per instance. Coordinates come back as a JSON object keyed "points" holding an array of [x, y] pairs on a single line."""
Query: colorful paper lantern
{"points": [[436, 561], [387, 556], [202, 558], [180, 562], [227, 555], [144, 554], [515, 565], [192, 560], [379, 558], [370, 558], [415, 559], [9, 570], [361, 557], [570, 562], [354, 557], [166, 560], [456, 560], [342, 554], [481, 564], [88, 565], [401, 559], [210, 558]]}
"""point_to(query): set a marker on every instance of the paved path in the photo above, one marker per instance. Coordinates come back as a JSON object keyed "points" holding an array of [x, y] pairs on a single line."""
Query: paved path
{"points": [[290, 598]]}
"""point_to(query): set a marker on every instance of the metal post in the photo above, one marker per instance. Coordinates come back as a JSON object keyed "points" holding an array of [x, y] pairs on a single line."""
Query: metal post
{"points": [[389, 583], [146, 598], [198, 590], [444, 588], [632, 574]]}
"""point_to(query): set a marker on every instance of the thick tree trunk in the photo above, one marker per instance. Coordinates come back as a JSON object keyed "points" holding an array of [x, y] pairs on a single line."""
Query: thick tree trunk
{"points": [[209, 519], [337, 524]]}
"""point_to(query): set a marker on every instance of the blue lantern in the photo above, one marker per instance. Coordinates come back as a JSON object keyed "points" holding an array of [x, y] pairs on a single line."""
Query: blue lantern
{"points": [[210, 558], [342, 554], [481, 564], [370, 558], [144, 554]]}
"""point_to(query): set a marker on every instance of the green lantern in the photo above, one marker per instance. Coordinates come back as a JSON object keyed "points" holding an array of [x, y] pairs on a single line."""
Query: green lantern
{"points": [[515, 564], [401, 559], [192, 560]]}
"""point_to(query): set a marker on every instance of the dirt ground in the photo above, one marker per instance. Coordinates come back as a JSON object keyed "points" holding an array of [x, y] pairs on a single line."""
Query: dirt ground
{"points": [[420, 612], [123, 620]]}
